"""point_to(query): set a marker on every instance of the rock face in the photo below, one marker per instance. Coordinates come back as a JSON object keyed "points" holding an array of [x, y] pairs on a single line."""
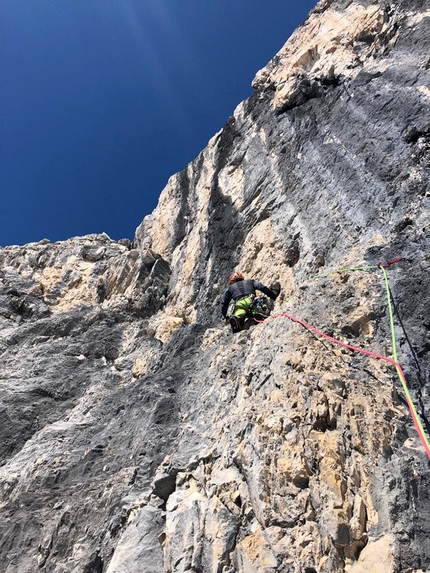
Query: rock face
{"points": [[138, 435]]}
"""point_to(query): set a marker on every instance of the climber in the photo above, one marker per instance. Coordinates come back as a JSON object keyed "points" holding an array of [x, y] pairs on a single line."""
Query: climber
{"points": [[243, 293]]}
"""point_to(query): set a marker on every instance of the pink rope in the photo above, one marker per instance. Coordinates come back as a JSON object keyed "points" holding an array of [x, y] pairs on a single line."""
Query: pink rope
{"points": [[368, 353]]}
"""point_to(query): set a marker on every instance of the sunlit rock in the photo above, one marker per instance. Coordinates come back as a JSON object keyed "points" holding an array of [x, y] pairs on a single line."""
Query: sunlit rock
{"points": [[139, 435]]}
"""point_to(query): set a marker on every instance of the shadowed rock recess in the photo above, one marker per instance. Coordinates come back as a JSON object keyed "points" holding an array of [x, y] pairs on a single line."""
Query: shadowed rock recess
{"points": [[139, 436]]}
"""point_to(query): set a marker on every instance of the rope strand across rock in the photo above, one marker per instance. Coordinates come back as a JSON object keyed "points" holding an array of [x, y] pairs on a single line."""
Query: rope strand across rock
{"points": [[415, 417]]}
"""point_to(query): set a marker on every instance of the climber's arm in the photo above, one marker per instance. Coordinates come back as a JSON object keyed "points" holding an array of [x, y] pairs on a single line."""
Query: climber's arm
{"points": [[225, 303], [265, 290]]}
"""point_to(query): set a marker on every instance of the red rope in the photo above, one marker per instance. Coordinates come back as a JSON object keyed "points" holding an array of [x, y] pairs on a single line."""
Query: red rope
{"points": [[389, 263], [368, 353]]}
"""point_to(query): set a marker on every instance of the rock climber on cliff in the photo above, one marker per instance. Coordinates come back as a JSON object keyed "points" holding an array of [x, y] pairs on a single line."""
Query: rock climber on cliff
{"points": [[243, 293]]}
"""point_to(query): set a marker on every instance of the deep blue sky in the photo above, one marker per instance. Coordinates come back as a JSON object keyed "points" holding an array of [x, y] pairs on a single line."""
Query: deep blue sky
{"points": [[102, 100]]}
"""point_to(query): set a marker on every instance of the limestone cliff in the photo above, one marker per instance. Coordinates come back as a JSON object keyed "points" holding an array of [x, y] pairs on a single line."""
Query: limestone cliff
{"points": [[139, 436]]}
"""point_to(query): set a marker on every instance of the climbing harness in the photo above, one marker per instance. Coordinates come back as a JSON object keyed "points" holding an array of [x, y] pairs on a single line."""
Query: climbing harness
{"points": [[243, 306], [259, 308], [246, 308], [415, 417]]}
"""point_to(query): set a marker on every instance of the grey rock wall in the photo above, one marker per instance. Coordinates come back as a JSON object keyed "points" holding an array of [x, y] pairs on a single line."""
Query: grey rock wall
{"points": [[139, 435]]}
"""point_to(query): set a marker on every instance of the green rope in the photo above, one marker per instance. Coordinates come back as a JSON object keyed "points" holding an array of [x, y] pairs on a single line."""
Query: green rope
{"points": [[413, 410], [367, 268], [394, 345], [290, 298], [390, 312]]}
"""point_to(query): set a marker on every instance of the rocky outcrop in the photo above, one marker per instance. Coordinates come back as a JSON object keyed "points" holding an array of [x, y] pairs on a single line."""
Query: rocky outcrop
{"points": [[139, 435]]}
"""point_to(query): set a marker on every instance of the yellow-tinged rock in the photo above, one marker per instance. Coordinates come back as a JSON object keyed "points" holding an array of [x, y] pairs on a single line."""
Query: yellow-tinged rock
{"points": [[140, 366], [165, 325], [376, 557], [254, 555], [322, 47]]}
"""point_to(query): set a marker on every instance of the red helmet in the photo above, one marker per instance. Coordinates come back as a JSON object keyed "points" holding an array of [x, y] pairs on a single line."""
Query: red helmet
{"points": [[236, 276]]}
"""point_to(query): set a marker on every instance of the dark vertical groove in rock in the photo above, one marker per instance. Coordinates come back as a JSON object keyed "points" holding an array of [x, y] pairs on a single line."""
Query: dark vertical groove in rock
{"points": [[137, 434], [224, 237], [183, 188]]}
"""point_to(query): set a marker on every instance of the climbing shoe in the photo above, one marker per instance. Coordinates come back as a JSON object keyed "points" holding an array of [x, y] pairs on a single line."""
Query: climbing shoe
{"points": [[236, 324], [275, 288]]}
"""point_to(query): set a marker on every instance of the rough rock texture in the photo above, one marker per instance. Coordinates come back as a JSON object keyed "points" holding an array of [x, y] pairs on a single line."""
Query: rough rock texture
{"points": [[140, 436]]}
